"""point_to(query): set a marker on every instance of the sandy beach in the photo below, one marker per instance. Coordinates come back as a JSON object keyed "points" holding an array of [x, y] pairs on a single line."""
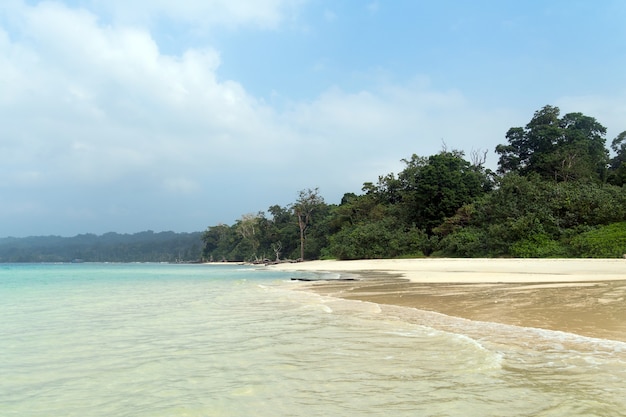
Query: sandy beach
{"points": [[582, 296]]}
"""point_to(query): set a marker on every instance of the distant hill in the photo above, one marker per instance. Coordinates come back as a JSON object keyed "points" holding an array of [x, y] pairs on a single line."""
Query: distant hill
{"points": [[110, 247]]}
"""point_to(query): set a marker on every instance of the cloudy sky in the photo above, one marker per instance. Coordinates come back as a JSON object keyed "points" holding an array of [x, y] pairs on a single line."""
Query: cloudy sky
{"points": [[126, 116]]}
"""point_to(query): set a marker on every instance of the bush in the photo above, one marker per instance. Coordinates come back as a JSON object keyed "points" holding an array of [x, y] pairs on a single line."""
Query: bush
{"points": [[382, 239], [465, 243], [604, 242], [538, 246]]}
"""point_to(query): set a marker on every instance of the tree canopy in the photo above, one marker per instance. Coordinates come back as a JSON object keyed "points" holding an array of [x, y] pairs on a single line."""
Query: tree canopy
{"points": [[563, 149], [556, 193]]}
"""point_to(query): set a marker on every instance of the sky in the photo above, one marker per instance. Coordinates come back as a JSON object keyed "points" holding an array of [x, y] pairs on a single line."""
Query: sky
{"points": [[124, 116]]}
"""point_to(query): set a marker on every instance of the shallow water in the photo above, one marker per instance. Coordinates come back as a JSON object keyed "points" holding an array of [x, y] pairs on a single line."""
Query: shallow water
{"points": [[198, 340]]}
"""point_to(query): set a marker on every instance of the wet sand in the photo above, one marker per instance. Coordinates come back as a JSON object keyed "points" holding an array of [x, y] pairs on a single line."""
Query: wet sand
{"points": [[581, 296]]}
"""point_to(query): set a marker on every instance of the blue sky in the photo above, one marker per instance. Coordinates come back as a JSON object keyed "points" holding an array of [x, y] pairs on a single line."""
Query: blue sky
{"points": [[177, 115]]}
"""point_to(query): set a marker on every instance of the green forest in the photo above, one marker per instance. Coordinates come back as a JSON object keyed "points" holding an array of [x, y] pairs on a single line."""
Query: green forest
{"points": [[145, 246], [558, 191]]}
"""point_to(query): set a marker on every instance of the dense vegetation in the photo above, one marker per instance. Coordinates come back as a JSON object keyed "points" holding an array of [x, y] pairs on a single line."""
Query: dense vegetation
{"points": [[110, 247], [556, 193]]}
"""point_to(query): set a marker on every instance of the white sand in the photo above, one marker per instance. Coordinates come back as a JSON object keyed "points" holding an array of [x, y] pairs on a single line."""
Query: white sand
{"points": [[455, 270]]}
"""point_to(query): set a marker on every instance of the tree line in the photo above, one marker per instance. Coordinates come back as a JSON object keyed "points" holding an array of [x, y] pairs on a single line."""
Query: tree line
{"points": [[557, 192], [145, 246]]}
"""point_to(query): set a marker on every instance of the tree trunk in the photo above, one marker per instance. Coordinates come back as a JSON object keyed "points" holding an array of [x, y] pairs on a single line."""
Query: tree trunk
{"points": [[302, 227]]}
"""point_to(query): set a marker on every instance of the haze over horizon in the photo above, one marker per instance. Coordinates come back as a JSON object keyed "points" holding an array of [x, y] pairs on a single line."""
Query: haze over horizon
{"points": [[174, 116]]}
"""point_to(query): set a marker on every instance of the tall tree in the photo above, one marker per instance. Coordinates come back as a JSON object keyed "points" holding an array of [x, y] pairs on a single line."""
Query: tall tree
{"points": [[617, 170], [219, 241], [283, 228], [562, 149], [308, 201], [248, 228], [436, 187]]}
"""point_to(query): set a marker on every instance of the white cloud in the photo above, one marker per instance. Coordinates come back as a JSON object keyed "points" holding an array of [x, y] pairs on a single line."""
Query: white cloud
{"points": [[329, 15], [96, 112], [100, 102], [394, 121], [104, 105], [373, 7], [205, 13], [181, 185]]}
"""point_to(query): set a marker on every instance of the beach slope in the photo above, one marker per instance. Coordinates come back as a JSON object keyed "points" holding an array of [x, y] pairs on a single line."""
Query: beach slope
{"points": [[582, 296]]}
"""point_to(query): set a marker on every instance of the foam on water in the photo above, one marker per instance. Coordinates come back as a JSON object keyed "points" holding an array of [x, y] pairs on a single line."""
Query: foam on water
{"points": [[162, 340]]}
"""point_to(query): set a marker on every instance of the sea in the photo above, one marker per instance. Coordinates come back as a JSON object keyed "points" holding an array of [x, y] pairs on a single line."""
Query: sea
{"points": [[153, 340]]}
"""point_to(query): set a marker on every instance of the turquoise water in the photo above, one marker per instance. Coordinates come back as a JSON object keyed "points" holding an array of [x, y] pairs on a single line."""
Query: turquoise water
{"points": [[205, 340]]}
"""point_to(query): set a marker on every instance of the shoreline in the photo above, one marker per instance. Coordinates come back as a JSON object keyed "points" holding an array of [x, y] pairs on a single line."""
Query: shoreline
{"points": [[476, 270], [581, 296]]}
